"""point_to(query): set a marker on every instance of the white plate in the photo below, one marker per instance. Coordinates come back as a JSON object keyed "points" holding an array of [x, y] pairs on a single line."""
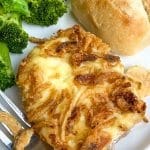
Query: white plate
{"points": [[139, 137]]}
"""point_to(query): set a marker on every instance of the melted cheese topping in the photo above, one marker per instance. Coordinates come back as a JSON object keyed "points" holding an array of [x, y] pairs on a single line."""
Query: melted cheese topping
{"points": [[55, 71], [76, 93]]}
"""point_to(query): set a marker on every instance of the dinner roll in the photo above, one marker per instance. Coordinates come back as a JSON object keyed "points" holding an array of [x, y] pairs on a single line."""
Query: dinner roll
{"points": [[123, 24]]}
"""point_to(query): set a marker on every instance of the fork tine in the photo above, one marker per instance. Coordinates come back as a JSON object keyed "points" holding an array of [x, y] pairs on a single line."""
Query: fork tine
{"points": [[2, 108], [14, 108], [7, 129], [5, 140]]}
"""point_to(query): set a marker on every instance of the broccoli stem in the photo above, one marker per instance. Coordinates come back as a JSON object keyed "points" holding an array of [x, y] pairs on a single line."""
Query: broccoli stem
{"points": [[7, 78], [4, 55]]}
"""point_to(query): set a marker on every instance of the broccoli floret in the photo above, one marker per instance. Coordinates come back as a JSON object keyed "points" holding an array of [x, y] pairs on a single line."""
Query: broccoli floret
{"points": [[45, 12], [11, 31], [7, 78], [18, 6]]}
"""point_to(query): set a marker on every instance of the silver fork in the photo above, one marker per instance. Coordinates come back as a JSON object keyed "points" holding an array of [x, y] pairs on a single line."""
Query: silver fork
{"points": [[8, 106]]}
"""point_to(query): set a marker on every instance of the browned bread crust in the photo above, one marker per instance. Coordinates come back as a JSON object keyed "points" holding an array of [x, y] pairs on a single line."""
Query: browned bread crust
{"points": [[123, 24]]}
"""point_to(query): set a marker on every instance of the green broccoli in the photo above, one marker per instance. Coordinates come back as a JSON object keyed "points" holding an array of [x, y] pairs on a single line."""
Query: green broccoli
{"points": [[12, 37], [11, 31], [18, 6], [7, 78], [45, 12]]}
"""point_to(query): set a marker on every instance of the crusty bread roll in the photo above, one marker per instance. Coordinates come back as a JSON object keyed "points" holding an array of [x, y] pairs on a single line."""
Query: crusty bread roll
{"points": [[123, 24]]}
